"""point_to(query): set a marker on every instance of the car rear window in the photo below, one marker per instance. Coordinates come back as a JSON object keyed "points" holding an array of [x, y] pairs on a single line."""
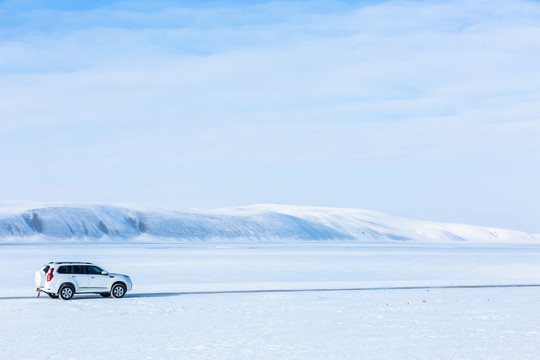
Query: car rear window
{"points": [[46, 269], [64, 270]]}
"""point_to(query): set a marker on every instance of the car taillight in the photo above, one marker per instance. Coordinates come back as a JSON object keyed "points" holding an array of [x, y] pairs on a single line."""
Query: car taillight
{"points": [[50, 274]]}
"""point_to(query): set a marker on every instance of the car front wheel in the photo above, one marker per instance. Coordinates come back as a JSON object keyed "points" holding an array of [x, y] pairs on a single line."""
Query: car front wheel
{"points": [[118, 290], [66, 292]]}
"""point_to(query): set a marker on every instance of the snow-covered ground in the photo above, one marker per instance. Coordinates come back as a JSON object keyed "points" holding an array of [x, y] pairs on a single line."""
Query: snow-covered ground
{"points": [[34, 222], [178, 308]]}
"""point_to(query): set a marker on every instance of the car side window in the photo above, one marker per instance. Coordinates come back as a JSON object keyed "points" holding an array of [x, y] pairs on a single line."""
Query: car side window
{"points": [[63, 270], [79, 269], [93, 270]]}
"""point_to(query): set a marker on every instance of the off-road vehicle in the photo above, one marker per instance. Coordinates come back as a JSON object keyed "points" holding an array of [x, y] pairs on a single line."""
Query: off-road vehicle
{"points": [[66, 278]]}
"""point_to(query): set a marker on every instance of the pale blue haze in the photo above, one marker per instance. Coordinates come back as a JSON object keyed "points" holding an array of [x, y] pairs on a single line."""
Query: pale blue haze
{"points": [[420, 109]]}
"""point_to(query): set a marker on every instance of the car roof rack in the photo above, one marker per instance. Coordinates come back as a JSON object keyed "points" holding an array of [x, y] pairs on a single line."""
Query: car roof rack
{"points": [[69, 262]]}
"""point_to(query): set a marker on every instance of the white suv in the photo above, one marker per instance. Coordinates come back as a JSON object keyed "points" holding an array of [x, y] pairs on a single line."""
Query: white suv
{"points": [[65, 279]]}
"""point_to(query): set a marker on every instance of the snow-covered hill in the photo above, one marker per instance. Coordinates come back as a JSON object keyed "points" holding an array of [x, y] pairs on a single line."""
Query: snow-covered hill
{"points": [[20, 221]]}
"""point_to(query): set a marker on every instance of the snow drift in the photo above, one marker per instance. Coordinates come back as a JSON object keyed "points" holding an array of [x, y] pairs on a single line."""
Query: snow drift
{"points": [[22, 221]]}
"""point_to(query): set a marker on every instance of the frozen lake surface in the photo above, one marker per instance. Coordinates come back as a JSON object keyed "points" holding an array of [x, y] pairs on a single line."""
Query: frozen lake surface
{"points": [[161, 319]]}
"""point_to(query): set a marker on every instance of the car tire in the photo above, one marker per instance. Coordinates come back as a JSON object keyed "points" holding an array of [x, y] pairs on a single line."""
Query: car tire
{"points": [[54, 296], [105, 294], [66, 292], [118, 291]]}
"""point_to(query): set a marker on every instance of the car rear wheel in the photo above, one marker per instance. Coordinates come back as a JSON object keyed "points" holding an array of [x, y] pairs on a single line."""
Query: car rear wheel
{"points": [[118, 291], [54, 296], [66, 292]]}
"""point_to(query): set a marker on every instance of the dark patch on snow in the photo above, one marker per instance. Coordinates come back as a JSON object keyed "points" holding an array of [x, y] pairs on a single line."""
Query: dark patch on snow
{"points": [[35, 222], [132, 222], [103, 227], [141, 226], [137, 224]]}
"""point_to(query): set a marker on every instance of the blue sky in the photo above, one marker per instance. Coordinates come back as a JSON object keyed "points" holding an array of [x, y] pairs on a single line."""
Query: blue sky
{"points": [[422, 109]]}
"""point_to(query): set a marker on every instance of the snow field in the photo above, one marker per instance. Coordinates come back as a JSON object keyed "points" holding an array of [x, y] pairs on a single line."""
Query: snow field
{"points": [[406, 324], [486, 323], [214, 267]]}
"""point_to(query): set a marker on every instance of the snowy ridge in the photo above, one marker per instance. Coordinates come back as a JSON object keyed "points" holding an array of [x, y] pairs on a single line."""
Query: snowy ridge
{"points": [[24, 220]]}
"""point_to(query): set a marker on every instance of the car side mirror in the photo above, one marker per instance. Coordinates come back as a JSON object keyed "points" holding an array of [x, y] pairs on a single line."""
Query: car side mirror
{"points": [[104, 273]]}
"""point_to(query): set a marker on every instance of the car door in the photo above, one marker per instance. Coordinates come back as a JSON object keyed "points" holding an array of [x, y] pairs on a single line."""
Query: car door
{"points": [[97, 281], [78, 274]]}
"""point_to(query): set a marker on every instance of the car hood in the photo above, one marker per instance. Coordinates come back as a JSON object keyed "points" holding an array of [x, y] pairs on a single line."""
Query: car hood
{"points": [[115, 274]]}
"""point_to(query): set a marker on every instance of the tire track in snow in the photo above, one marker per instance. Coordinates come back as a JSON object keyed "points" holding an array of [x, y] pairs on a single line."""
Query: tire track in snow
{"points": [[179, 293], [164, 294]]}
